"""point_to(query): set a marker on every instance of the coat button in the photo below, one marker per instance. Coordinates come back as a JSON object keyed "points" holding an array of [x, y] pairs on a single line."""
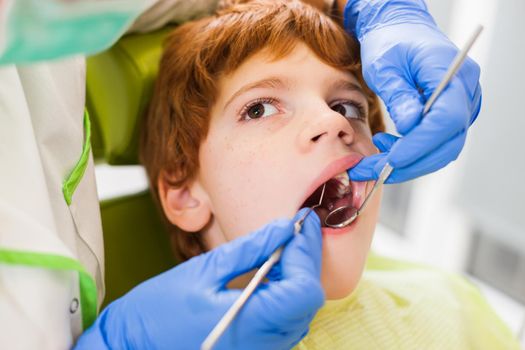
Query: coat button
{"points": [[73, 307]]}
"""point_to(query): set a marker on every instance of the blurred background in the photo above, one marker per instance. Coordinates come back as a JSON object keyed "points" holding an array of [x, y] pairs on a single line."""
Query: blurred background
{"points": [[469, 217]]}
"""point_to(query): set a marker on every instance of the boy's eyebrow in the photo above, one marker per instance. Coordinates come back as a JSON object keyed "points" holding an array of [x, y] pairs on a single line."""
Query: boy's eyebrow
{"points": [[265, 83], [344, 84]]}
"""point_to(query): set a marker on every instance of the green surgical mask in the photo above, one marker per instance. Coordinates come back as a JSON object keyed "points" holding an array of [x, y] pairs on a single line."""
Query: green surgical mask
{"points": [[36, 30]]}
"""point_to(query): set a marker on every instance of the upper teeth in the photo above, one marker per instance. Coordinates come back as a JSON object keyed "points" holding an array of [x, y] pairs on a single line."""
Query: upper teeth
{"points": [[344, 180]]}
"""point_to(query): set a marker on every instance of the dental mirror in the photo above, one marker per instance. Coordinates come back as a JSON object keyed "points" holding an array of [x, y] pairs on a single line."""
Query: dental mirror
{"points": [[344, 215]]}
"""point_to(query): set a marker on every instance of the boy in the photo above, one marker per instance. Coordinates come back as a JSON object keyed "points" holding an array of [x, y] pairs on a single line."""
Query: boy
{"points": [[254, 110]]}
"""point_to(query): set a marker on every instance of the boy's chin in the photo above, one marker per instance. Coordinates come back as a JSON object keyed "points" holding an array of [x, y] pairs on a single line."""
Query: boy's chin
{"points": [[340, 288]]}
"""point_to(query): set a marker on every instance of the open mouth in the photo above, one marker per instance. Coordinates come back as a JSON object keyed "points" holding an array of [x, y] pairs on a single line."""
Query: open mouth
{"points": [[340, 192]]}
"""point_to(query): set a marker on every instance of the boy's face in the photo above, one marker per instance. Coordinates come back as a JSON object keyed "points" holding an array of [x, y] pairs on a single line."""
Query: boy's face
{"points": [[278, 131]]}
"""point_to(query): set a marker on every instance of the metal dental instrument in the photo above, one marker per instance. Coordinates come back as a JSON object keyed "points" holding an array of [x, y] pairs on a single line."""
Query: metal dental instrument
{"points": [[345, 215], [229, 316]]}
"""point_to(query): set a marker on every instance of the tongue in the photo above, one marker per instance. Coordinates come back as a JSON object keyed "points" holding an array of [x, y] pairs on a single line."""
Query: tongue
{"points": [[346, 201]]}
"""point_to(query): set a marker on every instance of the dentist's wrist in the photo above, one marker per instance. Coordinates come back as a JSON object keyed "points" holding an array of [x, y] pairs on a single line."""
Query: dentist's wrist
{"points": [[362, 16]]}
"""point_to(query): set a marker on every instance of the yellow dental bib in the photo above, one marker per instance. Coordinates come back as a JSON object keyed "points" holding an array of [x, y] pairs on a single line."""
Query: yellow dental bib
{"points": [[406, 306]]}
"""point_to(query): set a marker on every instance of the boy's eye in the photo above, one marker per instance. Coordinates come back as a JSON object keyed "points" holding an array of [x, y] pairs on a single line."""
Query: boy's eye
{"points": [[347, 110], [261, 109]]}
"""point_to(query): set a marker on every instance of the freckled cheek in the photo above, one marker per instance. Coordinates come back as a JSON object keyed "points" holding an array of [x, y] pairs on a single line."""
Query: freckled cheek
{"points": [[251, 164], [236, 171]]}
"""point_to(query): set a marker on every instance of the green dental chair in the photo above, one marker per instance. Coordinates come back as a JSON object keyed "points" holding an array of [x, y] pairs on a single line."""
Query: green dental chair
{"points": [[119, 85]]}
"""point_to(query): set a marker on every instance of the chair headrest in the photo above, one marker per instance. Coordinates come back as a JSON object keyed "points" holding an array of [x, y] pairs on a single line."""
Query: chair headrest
{"points": [[119, 85]]}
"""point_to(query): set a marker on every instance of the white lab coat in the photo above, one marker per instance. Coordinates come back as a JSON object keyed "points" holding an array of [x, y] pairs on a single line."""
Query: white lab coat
{"points": [[41, 236], [41, 139]]}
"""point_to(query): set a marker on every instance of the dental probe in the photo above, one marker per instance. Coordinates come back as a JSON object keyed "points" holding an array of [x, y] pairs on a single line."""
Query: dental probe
{"points": [[229, 316], [387, 169]]}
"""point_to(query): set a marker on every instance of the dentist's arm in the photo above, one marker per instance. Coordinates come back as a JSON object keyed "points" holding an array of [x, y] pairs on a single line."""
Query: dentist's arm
{"points": [[404, 56], [177, 309]]}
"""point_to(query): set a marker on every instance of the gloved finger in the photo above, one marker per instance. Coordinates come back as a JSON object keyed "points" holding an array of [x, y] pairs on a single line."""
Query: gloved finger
{"points": [[432, 65], [394, 84], [301, 329], [402, 75], [365, 169], [448, 117], [292, 255], [275, 273], [302, 256], [370, 167], [270, 291], [384, 141], [254, 318], [243, 254], [476, 103], [428, 164], [287, 300]]}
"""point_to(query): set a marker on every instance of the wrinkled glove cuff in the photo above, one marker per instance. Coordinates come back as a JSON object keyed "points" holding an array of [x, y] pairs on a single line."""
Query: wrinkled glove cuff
{"points": [[362, 16]]}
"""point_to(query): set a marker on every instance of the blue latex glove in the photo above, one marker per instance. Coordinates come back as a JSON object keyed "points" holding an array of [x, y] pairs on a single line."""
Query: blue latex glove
{"points": [[177, 309], [403, 51]]}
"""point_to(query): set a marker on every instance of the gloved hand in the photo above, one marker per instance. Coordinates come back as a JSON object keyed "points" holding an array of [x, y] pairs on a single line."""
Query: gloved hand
{"points": [[384, 142], [177, 309], [404, 53]]}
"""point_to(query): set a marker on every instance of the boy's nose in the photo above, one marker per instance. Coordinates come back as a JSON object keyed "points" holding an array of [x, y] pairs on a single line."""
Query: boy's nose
{"points": [[329, 126]]}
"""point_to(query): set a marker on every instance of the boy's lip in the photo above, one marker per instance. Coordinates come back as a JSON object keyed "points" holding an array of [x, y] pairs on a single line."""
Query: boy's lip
{"points": [[334, 168], [338, 231]]}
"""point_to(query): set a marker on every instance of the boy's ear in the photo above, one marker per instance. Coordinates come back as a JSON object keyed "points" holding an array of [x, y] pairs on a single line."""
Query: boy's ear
{"points": [[186, 207]]}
